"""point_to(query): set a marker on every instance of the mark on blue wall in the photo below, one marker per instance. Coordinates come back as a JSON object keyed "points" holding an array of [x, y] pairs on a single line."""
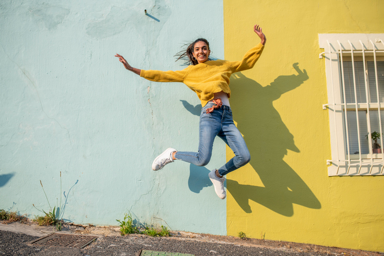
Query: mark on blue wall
{"points": [[119, 19], [113, 24], [4, 178], [149, 15], [50, 16]]}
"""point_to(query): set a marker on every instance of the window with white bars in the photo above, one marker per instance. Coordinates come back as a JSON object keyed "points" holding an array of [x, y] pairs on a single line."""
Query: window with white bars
{"points": [[355, 82]]}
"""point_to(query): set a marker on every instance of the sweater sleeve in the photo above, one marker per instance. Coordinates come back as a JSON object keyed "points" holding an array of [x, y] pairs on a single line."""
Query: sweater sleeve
{"points": [[248, 60], [164, 76]]}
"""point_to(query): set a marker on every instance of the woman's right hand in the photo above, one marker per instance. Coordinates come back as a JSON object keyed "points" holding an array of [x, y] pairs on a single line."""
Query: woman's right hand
{"points": [[126, 64], [122, 60]]}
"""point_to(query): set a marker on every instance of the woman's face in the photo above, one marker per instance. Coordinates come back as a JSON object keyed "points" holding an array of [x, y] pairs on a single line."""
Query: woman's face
{"points": [[201, 51]]}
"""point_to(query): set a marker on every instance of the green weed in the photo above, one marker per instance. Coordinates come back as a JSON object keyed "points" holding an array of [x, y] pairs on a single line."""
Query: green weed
{"points": [[52, 217], [42, 220], [127, 226], [3, 215], [164, 231], [242, 235], [58, 226], [49, 219], [150, 231]]}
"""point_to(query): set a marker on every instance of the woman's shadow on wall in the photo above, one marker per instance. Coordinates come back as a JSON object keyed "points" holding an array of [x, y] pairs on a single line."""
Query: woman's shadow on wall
{"points": [[268, 140]]}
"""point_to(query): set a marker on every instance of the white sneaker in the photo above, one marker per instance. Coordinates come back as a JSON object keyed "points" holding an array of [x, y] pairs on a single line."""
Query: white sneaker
{"points": [[218, 183], [163, 159]]}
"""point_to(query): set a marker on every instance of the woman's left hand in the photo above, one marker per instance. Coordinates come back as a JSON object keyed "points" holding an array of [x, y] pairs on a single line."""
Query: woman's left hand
{"points": [[260, 33]]}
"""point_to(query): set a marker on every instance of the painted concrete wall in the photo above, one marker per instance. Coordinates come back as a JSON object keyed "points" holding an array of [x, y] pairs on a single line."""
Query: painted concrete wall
{"points": [[67, 105], [285, 192]]}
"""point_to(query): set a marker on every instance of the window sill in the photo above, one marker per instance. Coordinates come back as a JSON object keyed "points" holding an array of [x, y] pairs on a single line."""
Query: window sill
{"points": [[367, 157], [366, 168]]}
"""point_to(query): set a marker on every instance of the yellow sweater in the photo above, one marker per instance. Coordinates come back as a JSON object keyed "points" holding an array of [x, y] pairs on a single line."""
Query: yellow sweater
{"points": [[209, 77]]}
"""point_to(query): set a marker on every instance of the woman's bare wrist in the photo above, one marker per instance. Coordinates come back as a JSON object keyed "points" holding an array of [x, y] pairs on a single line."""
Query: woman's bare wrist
{"points": [[134, 70]]}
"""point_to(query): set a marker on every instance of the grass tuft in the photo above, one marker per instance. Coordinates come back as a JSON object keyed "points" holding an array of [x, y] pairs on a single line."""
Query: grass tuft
{"points": [[9, 217], [3, 215], [164, 231], [127, 227], [242, 235], [49, 219], [150, 231], [53, 216]]}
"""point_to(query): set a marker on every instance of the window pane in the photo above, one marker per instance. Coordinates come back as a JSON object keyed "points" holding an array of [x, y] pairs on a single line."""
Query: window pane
{"points": [[348, 80], [374, 115], [372, 80], [352, 132]]}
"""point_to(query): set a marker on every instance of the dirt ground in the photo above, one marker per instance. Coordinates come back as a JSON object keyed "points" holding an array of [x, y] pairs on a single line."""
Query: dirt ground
{"points": [[199, 244], [250, 242]]}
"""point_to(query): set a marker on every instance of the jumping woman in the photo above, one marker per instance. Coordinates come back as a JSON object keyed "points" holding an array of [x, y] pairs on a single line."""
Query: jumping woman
{"points": [[210, 80]]}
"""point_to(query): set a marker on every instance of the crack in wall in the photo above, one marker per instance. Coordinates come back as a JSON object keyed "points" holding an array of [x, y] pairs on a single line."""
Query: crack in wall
{"points": [[159, 192], [155, 186], [150, 106], [162, 12], [6, 144], [38, 95], [350, 14], [142, 195]]}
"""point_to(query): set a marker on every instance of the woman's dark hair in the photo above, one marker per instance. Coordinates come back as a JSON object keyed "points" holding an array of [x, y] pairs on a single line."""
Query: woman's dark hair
{"points": [[188, 53]]}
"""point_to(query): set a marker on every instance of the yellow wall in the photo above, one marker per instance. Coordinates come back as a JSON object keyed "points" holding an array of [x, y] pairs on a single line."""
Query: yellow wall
{"points": [[285, 192]]}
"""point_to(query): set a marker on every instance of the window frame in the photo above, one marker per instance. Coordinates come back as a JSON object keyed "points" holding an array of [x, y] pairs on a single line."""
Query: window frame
{"points": [[337, 49]]}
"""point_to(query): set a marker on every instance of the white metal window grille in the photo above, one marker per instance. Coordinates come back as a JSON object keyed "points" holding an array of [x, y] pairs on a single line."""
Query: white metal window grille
{"points": [[355, 81]]}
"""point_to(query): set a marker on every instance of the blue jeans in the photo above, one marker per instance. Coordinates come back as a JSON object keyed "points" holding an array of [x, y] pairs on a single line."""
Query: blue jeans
{"points": [[218, 123]]}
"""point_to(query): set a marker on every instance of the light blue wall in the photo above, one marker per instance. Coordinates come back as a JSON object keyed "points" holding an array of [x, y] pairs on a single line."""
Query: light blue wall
{"points": [[67, 105]]}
